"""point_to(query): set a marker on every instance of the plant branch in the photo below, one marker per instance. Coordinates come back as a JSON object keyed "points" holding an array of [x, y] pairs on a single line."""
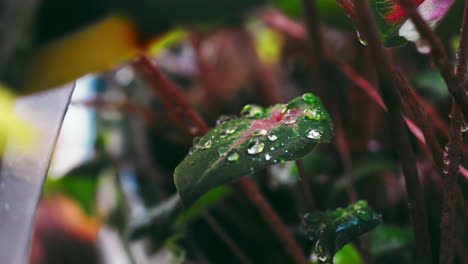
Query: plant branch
{"points": [[269, 215], [171, 97], [439, 55], [447, 226], [175, 99], [398, 130]]}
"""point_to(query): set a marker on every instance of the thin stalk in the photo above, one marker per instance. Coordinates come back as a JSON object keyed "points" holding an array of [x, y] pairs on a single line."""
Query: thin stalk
{"points": [[452, 160], [213, 223], [178, 107], [305, 185], [159, 82], [314, 40], [439, 55], [447, 227], [398, 131], [270, 216]]}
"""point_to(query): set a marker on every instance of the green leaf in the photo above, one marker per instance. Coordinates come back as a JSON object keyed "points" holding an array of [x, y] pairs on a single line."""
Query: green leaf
{"points": [[259, 138], [348, 255], [331, 230], [387, 238], [386, 14]]}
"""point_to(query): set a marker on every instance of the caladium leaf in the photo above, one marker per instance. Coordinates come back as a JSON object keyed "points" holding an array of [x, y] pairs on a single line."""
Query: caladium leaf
{"points": [[332, 230], [393, 22], [260, 137]]}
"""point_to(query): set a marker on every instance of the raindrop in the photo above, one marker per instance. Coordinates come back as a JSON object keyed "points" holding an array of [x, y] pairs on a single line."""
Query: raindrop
{"points": [[206, 144], [464, 126], [289, 119], [363, 215], [272, 148], [361, 40], [272, 137], [233, 156], [260, 132], [308, 98], [255, 147], [222, 150], [230, 130], [314, 114], [196, 141], [314, 134], [254, 111], [423, 46], [223, 119], [267, 157]]}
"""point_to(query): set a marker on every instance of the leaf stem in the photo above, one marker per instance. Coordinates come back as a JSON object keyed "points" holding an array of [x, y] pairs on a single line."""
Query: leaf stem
{"points": [[178, 107], [439, 55], [305, 185], [390, 96], [447, 226], [270, 216], [173, 98]]}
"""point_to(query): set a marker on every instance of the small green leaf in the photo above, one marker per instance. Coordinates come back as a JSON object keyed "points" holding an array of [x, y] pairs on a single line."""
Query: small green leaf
{"points": [[331, 230], [347, 255], [259, 138]]}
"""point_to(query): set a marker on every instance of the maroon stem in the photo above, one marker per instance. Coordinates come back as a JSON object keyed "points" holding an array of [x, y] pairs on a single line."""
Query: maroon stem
{"points": [[305, 185], [270, 216], [319, 67], [314, 41], [173, 98], [179, 108], [398, 130], [439, 55], [447, 226], [452, 160], [226, 238]]}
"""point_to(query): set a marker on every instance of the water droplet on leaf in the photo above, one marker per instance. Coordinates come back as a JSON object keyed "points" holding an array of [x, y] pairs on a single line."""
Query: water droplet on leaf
{"points": [[272, 137], [254, 111], [233, 156], [314, 114], [314, 134], [267, 157], [206, 144], [289, 119], [255, 147]]}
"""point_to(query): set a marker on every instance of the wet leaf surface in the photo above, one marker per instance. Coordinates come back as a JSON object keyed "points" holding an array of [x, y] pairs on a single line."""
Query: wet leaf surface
{"points": [[331, 230], [259, 138]]}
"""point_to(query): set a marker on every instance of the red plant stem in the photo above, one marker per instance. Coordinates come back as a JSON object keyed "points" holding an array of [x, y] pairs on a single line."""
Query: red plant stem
{"points": [[268, 214], [398, 130], [452, 160], [140, 111], [447, 226], [314, 40], [208, 83], [226, 238], [305, 185], [175, 99], [439, 55], [316, 46], [171, 97]]}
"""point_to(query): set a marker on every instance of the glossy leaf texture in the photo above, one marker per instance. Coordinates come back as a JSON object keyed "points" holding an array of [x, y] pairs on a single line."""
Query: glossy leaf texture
{"points": [[332, 230], [259, 138], [393, 22]]}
